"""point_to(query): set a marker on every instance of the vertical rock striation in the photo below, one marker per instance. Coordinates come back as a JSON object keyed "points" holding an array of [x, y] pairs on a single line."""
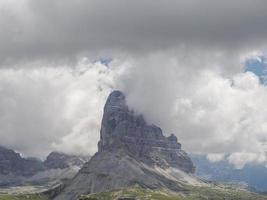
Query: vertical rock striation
{"points": [[131, 152], [122, 129]]}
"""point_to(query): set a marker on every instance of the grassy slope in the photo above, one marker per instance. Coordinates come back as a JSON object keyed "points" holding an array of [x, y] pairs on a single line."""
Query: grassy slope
{"points": [[190, 193], [23, 197]]}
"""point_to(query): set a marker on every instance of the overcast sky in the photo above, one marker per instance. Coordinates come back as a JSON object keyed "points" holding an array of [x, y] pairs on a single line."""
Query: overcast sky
{"points": [[194, 67]]}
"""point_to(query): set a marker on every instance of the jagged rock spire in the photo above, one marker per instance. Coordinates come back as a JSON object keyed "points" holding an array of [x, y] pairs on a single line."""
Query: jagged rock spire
{"points": [[130, 152], [123, 130]]}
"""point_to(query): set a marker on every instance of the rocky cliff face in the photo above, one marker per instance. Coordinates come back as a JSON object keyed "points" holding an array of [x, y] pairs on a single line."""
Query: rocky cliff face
{"points": [[17, 171], [122, 129], [12, 163], [131, 152]]}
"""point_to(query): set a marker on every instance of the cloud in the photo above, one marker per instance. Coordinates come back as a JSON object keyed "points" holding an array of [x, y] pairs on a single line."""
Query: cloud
{"points": [[56, 29], [240, 159], [180, 63], [53, 108], [210, 111], [215, 157]]}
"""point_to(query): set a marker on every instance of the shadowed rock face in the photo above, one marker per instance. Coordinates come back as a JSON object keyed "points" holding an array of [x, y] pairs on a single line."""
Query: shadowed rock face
{"points": [[12, 163], [122, 129], [18, 171], [131, 152]]}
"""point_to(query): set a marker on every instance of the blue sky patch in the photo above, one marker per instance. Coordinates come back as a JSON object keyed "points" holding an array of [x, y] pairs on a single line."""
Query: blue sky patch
{"points": [[259, 67], [105, 61]]}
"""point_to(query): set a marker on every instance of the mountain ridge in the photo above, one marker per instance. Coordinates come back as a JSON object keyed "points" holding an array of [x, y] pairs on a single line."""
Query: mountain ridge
{"points": [[18, 171]]}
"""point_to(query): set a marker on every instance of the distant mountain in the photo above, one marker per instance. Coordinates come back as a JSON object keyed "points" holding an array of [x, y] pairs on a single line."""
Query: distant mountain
{"points": [[16, 170], [57, 160], [12, 163], [131, 152], [254, 176]]}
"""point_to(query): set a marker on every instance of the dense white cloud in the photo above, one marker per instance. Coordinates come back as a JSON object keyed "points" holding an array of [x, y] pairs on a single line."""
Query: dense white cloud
{"points": [[209, 111], [53, 108], [180, 63]]}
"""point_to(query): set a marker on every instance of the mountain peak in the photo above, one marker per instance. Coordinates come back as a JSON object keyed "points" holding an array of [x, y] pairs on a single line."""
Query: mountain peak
{"points": [[115, 101], [116, 98], [123, 130], [11, 162], [131, 152]]}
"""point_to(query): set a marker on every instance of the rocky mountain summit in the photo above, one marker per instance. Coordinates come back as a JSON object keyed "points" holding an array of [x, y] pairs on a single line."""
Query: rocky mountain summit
{"points": [[122, 129], [12, 163], [16, 170], [131, 152]]}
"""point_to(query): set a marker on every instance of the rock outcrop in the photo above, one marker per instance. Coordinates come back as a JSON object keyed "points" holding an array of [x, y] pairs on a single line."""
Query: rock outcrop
{"points": [[57, 160], [131, 152], [18, 171], [12, 163], [122, 129]]}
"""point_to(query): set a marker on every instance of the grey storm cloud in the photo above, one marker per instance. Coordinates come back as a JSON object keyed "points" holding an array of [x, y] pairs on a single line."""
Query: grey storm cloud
{"points": [[57, 28]]}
